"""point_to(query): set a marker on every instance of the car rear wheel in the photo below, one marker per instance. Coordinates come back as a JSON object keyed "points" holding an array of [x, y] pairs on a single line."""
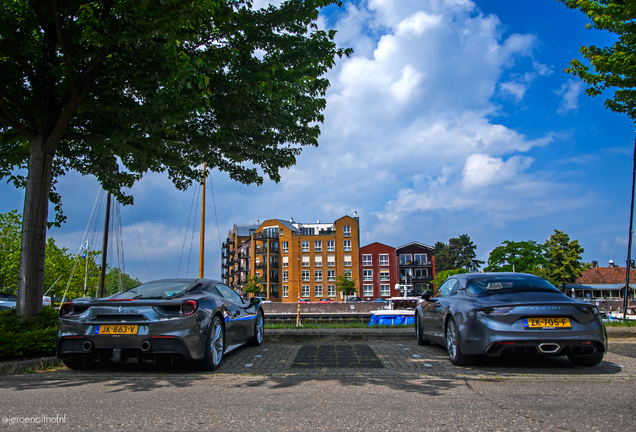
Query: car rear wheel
{"points": [[588, 360], [421, 340], [454, 346], [215, 346], [259, 330]]}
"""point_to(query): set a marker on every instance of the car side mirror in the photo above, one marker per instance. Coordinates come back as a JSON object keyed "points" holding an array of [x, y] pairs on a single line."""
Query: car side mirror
{"points": [[426, 296], [255, 300]]}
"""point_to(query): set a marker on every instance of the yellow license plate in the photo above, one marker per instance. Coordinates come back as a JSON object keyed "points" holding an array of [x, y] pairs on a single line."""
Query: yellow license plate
{"points": [[540, 323], [118, 329]]}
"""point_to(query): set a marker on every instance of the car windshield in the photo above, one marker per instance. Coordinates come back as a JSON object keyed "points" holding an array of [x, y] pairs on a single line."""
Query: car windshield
{"points": [[508, 284], [156, 290]]}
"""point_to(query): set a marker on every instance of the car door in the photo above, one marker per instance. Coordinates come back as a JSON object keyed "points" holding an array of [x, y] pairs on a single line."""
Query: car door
{"points": [[434, 310], [240, 316]]}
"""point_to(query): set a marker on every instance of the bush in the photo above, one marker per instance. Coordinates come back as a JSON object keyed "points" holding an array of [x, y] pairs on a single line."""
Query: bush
{"points": [[31, 338]]}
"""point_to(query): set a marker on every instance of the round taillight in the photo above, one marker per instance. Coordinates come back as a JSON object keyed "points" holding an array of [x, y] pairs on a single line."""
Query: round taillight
{"points": [[189, 307], [66, 309]]}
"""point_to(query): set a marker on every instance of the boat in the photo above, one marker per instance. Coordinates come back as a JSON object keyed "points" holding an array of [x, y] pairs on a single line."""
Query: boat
{"points": [[398, 311]]}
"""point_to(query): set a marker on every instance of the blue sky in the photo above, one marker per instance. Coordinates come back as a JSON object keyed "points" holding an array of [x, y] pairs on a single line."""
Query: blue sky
{"points": [[451, 117]]}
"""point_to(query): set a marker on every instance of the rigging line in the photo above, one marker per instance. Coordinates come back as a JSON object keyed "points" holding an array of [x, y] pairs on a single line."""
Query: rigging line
{"points": [[185, 237], [218, 230], [77, 257], [119, 241], [194, 224], [142, 246]]}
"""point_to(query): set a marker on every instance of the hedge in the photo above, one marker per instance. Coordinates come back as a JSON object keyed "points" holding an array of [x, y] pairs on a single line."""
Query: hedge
{"points": [[31, 338]]}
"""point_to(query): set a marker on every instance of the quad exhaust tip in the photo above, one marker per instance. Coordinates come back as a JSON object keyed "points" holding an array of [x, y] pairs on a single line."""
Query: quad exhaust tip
{"points": [[87, 346], [145, 346], [549, 348]]}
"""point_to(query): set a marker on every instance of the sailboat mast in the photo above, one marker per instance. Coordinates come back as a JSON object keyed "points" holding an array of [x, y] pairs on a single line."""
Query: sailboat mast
{"points": [[102, 275], [202, 246]]}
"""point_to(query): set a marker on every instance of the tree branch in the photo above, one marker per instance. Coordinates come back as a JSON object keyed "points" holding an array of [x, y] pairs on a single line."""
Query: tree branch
{"points": [[14, 122]]}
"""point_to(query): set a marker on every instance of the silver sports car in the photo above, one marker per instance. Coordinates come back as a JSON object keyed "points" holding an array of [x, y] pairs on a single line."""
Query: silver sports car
{"points": [[502, 314], [174, 319]]}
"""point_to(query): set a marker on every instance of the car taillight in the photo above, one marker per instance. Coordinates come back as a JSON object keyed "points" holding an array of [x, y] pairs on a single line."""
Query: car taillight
{"points": [[592, 310], [496, 311], [66, 309], [189, 307]]}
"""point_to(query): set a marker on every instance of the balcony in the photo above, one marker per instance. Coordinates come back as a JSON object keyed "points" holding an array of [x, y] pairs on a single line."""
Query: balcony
{"points": [[261, 265], [260, 251], [273, 264], [415, 264], [269, 236]]}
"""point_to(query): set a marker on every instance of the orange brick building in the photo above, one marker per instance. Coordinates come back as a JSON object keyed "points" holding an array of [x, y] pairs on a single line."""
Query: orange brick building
{"points": [[293, 260]]}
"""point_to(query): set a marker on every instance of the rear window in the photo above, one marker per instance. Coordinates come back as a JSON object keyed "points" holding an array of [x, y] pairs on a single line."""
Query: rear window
{"points": [[158, 290], [508, 284]]}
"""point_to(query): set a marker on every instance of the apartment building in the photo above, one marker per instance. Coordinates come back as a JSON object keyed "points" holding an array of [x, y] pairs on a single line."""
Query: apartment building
{"points": [[293, 260], [417, 265], [378, 271]]}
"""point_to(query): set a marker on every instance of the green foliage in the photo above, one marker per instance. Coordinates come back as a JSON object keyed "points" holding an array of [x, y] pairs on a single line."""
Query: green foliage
{"points": [[459, 253], [445, 274], [29, 338], [346, 285], [117, 281], [522, 257], [253, 284], [10, 230], [564, 259], [612, 66]]}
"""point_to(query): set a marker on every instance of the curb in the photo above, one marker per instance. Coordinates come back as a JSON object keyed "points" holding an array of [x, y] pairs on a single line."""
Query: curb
{"points": [[15, 366]]}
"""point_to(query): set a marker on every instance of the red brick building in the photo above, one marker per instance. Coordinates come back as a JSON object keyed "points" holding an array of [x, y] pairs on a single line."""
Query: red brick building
{"points": [[416, 265], [378, 271]]}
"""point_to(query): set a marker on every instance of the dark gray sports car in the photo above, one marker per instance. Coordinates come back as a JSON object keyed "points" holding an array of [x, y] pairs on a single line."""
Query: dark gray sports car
{"points": [[501, 314], [172, 319]]}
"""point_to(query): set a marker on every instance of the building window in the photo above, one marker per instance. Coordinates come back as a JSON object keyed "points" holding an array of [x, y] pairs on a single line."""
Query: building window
{"points": [[317, 261], [285, 261], [331, 245], [281, 231], [405, 259], [318, 246], [420, 259], [305, 275], [305, 260], [285, 276], [367, 290], [347, 260], [285, 249], [347, 246], [385, 275], [367, 275], [318, 291], [273, 291], [331, 290], [331, 260], [331, 275], [406, 274], [384, 260], [346, 231], [305, 290], [347, 274], [307, 231], [385, 290], [285, 291], [304, 246], [421, 273], [318, 275], [367, 260]]}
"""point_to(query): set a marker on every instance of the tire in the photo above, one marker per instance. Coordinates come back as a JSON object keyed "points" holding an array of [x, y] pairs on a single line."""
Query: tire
{"points": [[77, 362], [259, 330], [454, 346], [588, 360], [421, 340], [215, 346]]}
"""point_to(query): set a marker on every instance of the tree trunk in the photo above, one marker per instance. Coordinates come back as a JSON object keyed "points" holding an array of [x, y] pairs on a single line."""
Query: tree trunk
{"points": [[35, 216]]}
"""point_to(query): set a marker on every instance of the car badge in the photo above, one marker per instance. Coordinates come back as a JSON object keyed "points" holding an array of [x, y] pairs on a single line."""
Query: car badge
{"points": [[119, 308]]}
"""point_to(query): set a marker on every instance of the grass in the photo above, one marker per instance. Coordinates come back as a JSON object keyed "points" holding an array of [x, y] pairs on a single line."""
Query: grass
{"points": [[331, 326], [629, 323]]}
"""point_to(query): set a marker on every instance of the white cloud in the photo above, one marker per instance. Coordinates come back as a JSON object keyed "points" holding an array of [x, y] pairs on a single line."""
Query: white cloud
{"points": [[569, 94], [482, 170]]}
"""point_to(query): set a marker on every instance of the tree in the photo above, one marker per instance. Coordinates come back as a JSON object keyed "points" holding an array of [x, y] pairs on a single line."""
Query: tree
{"points": [[346, 285], [118, 88], [445, 274], [117, 281], [459, 253], [520, 257], [253, 284], [611, 66], [564, 259], [9, 250]]}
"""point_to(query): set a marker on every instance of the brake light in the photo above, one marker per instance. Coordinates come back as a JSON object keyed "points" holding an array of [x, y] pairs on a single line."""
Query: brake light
{"points": [[591, 310], [189, 307], [66, 309], [496, 311]]}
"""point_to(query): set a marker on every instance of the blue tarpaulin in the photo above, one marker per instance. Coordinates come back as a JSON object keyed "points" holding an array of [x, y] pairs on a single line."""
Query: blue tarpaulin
{"points": [[391, 320]]}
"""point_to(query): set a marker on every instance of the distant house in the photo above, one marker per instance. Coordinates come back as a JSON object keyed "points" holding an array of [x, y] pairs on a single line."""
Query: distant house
{"points": [[417, 265], [378, 271], [602, 283]]}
